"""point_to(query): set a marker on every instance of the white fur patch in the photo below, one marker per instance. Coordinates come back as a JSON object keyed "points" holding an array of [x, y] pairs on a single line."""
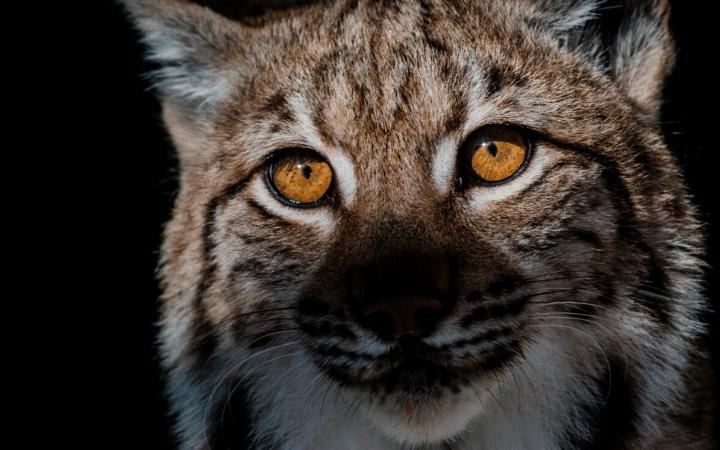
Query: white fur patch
{"points": [[443, 165], [320, 218]]}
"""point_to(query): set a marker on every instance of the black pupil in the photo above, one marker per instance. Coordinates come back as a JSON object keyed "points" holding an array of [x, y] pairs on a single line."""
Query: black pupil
{"points": [[492, 149], [307, 171]]}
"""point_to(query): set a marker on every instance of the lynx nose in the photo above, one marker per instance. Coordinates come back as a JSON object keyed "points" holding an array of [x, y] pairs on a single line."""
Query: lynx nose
{"points": [[402, 315], [402, 295]]}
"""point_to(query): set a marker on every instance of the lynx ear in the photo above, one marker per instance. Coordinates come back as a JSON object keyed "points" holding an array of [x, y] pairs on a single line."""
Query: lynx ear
{"points": [[194, 47], [643, 53], [629, 40]]}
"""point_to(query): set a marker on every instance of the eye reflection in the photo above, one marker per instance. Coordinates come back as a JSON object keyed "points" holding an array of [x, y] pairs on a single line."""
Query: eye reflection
{"points": [[300, 178], [497, 153]]}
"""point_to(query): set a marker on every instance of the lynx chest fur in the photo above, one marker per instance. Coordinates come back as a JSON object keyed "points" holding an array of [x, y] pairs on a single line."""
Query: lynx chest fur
{"points": [[426, 225]]}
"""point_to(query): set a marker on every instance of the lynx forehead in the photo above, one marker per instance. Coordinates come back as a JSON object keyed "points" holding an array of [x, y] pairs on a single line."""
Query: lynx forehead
{"points": [[426, 224]]}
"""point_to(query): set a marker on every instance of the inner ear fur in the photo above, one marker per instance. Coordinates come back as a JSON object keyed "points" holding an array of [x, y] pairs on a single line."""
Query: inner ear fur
{"points": [[628, 40], [195, 50]]}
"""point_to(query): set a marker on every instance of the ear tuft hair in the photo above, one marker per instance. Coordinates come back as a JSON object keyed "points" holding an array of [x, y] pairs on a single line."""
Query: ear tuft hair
{"points": [[194, 48]]}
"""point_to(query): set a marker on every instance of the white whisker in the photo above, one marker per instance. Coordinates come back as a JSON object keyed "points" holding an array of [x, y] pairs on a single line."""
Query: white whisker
{"points": [[232, 370]]}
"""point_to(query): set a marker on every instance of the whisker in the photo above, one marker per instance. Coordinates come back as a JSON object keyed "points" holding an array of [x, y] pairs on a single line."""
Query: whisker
{"points": [[490, 391], [530, 384], [265, 320], [570, 315], [596, 295], [315, 384], [589, 275], [349, 407], [655, 295], [232, 370], [564, 302], [264, 335], [327, 391], [555, 272], [239, 383], [547, 280], [581, 318], [262, 311], [233, 317], [597, 345], [200, 338], [578, 319]]}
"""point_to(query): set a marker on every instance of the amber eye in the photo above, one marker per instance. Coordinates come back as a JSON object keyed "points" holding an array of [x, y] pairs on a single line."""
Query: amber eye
{"points": [[300, 178], [497, 153]]}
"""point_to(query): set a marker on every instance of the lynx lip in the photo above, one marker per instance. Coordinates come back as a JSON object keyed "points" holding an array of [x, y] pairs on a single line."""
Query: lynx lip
{"points": [[411, 367]]}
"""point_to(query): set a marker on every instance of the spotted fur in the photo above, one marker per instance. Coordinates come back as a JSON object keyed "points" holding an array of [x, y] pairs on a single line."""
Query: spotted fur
{"points": [[575, 289]]}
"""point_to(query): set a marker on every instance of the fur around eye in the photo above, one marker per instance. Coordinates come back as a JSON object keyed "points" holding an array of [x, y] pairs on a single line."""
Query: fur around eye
{"points": [[300, 178], [495, 154]]}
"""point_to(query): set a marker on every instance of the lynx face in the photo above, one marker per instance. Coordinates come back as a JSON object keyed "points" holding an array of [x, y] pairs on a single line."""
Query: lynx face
{"points": [[442, 215]]}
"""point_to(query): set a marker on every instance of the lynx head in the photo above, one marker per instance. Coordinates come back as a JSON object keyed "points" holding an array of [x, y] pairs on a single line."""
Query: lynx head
{"points": [[420, 204]]}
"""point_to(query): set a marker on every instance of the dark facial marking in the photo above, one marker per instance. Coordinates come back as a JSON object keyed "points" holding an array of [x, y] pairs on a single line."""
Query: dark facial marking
{"points": [[495, 81], [313, 306], [502, 356], [486, 336], [205, 341], [498, 310], [431, 40], [337, 352], [262, 212]]}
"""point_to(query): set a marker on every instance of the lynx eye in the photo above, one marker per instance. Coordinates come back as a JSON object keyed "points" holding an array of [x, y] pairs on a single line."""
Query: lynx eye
{"points": [[300, 178], [497, 153]]}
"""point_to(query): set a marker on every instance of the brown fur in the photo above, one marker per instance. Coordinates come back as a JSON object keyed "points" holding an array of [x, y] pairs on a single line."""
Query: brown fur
{"points": [[386, 82]]}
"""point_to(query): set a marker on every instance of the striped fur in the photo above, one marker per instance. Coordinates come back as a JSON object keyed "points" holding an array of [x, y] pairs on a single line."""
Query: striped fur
{"points": [[576, 288]]}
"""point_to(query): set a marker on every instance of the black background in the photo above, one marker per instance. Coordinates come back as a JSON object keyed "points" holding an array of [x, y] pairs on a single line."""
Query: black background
{"points": [[130, 166]]}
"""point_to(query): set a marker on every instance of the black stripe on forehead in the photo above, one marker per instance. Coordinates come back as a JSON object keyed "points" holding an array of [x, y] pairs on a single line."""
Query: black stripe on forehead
{"points": [[278, 107], [431, 39], [500, 76], [456, 78], [327, 67], [266, 215]]}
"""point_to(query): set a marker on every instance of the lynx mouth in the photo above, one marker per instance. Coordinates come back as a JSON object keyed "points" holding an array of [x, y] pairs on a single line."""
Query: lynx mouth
{"points": [[414, 370]]}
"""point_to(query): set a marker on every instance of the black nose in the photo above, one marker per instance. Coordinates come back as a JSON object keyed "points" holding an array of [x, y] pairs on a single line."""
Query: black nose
{"points": [[404, 295], [402, 316]]}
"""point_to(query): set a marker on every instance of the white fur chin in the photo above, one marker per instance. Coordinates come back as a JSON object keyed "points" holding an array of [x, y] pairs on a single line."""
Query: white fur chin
{"points": [[434, 422]]}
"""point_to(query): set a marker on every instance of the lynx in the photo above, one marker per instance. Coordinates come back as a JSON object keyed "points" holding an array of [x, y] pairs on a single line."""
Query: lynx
{"points": [[439, 224]]}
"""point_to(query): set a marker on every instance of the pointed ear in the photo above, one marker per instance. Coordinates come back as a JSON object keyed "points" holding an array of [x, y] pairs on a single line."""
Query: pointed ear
{"points": [[194, 48], [643, 53], [629, 40]]}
